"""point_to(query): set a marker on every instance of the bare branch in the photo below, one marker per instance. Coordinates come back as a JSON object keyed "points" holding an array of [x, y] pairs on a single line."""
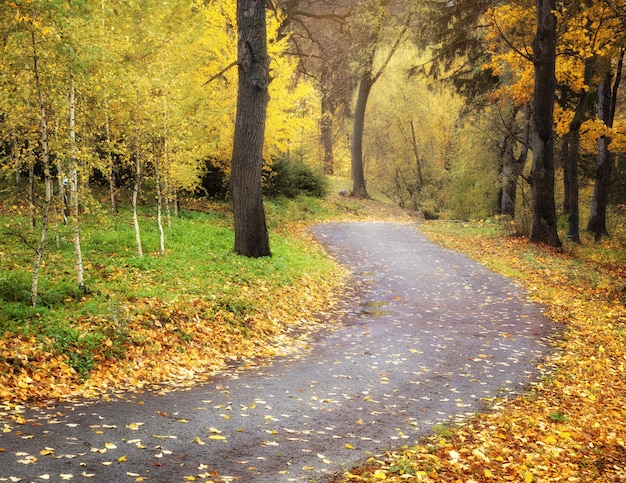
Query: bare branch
{"points": [[222, 72]]}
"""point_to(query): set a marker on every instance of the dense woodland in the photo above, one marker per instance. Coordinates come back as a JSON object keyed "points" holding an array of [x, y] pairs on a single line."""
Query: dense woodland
{"points": [[440, 107]]}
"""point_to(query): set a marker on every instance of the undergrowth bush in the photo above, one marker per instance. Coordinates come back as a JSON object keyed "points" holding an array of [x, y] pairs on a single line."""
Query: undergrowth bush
{"points": [[293, 178]]}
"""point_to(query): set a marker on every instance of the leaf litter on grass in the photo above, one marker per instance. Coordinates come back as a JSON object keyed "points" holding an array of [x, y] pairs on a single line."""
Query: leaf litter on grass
{"points": [[571, 426]]}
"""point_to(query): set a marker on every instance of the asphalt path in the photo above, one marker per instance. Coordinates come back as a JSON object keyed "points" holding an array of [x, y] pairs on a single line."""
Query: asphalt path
{"points": [[430, 337]]}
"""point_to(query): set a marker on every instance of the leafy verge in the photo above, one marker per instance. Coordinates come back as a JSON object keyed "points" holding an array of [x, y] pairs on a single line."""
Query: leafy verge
{"points": [[157, 321]]}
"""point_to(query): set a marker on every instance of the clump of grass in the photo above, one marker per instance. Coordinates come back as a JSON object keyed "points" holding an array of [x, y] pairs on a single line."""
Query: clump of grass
{"points": [[86, 330]]}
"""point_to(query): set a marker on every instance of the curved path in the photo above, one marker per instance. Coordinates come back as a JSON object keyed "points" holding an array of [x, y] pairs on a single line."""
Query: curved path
{"points": [[431, 338]]}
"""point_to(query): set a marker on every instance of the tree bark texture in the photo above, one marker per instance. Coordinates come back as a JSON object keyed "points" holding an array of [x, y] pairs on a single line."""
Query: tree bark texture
{"points": [[78, 253], [544, 229], [604, 164], [251, 236], [571, 158], [358, 173], [607, 100]]}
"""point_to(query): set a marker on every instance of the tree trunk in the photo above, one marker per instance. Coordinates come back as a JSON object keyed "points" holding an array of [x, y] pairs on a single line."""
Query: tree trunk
{"points": [[31, 194], [251, 236], [512, 167], [158, 182], [78, 254], [571, 158], [604, 165], [544, 229], [45, 161], [358, 173], [326, 133], [326, 123], [416, 154], [137, 187], [110, 163], [607, 99]]}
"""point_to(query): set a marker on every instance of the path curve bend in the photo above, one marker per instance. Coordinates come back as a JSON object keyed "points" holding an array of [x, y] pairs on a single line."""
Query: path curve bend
{"points": [[431, 337]]}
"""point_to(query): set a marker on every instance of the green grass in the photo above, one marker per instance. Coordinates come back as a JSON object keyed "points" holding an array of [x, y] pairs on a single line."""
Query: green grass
{"points": [[199, 263]]}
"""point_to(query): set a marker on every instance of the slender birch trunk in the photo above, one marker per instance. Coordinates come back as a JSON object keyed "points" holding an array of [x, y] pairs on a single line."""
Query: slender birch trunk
{"points": [[157, 169], [31, 194], [45, 161], [74, 183], [136, 188], [168, 194]]}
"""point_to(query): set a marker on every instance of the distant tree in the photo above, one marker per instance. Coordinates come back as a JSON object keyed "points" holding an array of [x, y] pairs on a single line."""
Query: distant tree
{"points": [[251, 235], [377, 26], [317, 34]]}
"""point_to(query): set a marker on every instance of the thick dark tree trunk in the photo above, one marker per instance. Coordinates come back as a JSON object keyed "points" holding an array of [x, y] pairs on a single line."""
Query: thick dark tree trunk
{"points": [[604, 165], [544, 229], [251, 236], [358, 173], [607, 98], [571, 159]]}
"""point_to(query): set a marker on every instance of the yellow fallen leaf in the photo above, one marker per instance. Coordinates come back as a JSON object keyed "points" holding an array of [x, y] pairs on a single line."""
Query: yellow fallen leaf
{"points": [[128, 473], [488, 473], [110, 446], [218, 437], [197, 440], [44, 477], [87, 475], [380, 475], [66, 476], [348, 446], [47, 452], [122, 459], [308, 468]]}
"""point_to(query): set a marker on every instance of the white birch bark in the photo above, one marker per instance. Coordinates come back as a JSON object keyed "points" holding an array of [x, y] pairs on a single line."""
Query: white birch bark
{"points": [[80, 280], [45, 160]]}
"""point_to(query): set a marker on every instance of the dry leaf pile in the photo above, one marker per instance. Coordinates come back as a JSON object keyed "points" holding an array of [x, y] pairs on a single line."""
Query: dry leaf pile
{"points": [[571, 426], [172, 343]]}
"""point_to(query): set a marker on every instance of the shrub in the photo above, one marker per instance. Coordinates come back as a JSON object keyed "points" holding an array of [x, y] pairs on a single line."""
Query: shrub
{"points": [[292, 178]]}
